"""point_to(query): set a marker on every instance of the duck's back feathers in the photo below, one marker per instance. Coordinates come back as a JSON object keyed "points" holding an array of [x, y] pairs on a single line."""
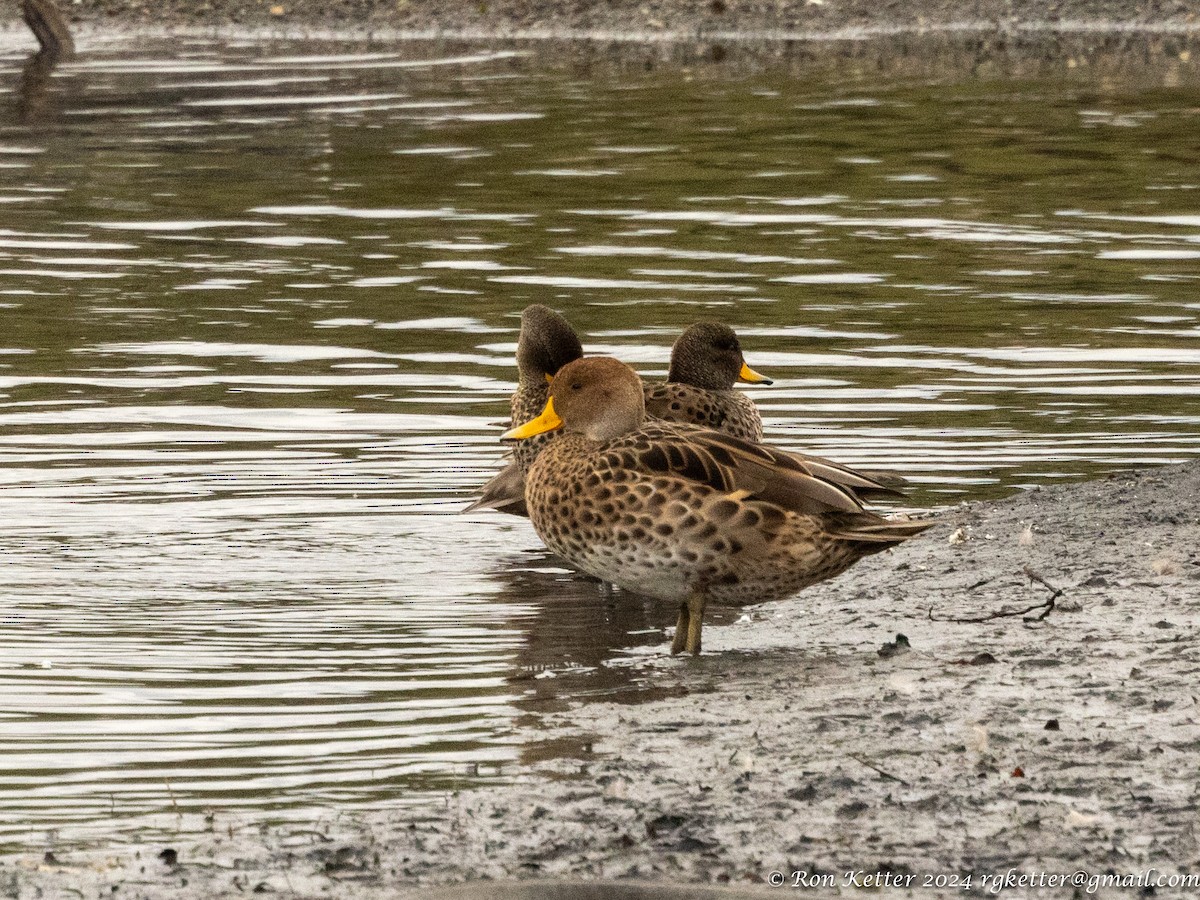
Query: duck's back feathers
{"points": [[729, 411], [734, 466], [665, 510]]}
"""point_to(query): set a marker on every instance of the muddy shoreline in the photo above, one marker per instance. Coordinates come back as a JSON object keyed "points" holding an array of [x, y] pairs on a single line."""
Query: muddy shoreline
{"points": [[1119, 47], [681, 17], [1019, 27], [809, 739]]}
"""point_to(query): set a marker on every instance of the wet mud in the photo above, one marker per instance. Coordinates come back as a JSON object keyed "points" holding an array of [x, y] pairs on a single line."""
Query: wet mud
{"points": [[661, 17], [1013, 692]]}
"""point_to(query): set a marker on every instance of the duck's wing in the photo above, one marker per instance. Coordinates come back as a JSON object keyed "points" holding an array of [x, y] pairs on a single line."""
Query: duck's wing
{"points": [[733, 466], [816, 486], [864, 485]]}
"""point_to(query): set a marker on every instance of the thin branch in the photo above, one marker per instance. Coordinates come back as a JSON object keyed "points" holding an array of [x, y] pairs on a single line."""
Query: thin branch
{"points": [[1046, 606], [888, 775]]}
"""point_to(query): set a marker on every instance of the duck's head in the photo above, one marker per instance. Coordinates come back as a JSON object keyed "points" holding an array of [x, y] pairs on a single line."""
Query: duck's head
{"points": [[547, 343], [708, 355], [597, 397]]}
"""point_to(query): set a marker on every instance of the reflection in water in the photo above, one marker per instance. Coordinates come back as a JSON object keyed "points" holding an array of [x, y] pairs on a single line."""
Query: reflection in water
{"points": [[33, 92], [575, 629], [581, 639], [260, 311], [56, 43]]}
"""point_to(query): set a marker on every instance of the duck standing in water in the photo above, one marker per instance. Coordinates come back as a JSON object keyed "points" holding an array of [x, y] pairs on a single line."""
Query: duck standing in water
{"points": [[684, 514]]}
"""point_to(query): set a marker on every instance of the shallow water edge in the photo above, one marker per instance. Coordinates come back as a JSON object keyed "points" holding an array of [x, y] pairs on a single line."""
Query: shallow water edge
{"points": [[801, 743], [1120, 54]]}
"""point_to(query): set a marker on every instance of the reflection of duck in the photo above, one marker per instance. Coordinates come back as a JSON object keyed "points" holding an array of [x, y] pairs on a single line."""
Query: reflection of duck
{"points": [[685, 514], [706, 361], [572, 624], [580, 641]]}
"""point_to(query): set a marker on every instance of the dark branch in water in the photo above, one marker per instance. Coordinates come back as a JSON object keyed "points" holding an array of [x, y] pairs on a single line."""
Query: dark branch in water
{"points": [[1046, 606], [49, 27]]}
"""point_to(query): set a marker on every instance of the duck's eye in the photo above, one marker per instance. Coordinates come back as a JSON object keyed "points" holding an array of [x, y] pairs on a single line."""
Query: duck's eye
{"points": [[576, 386]]}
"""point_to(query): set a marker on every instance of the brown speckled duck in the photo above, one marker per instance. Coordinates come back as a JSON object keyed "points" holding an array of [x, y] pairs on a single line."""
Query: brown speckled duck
{"points": [[684, 514], [706, 362]]}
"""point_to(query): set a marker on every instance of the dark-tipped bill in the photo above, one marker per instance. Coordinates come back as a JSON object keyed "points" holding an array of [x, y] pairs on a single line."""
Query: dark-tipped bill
{"points": [[749, 376]]}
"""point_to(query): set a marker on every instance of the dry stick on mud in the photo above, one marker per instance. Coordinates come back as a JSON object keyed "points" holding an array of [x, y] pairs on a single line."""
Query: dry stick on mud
{"points": [[1046, 606], [870, 765], [49, 27]]}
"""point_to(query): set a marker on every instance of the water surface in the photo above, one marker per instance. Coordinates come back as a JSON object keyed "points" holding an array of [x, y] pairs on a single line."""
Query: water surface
{"points": [[259, 309]]}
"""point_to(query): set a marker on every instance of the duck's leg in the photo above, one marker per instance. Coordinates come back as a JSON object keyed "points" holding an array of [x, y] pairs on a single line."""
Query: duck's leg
{"points": [[695, 606], [681, 630]]}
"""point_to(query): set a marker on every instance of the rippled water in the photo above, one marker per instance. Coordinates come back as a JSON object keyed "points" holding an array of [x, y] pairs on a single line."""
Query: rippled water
{"points": [[259, 312]]}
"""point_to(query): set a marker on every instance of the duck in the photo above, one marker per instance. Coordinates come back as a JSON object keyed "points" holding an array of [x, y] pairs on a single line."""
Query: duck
{"points": [[547, 343], [683, 514], [706, 362]]}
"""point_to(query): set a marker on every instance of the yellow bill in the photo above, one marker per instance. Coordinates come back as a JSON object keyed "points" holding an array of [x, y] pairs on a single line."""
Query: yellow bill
{"points": [[749, 376], [549, 378], [547, 421]]}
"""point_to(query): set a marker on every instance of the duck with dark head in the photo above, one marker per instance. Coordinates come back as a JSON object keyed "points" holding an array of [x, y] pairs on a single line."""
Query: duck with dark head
{"points": [[706, 362], [547, 343]]}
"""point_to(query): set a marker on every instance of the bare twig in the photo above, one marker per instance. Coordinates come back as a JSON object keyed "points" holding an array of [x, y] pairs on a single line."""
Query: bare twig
{"points": [[1046, 606], [888, 775]]}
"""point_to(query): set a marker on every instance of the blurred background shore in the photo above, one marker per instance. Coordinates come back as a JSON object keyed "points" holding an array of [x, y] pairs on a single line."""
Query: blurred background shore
{"points": [[649, 19]]}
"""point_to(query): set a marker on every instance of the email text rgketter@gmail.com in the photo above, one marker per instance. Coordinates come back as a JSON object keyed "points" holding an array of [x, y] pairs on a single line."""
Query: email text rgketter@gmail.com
{"points": [[993, 882]]}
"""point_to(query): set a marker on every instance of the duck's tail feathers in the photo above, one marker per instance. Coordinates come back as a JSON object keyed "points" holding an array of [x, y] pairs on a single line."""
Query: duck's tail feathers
{"points": [[504, 493], [864, 485], [878, 530]]}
